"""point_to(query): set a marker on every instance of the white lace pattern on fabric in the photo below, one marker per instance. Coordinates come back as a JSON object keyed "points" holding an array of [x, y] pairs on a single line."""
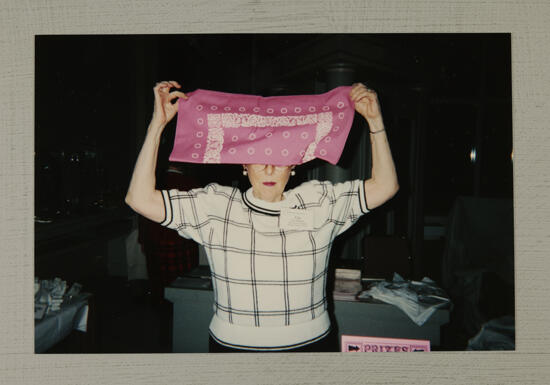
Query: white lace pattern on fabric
{"points": [[232, 120], [218, 122], [214, 141], [324, 125]]}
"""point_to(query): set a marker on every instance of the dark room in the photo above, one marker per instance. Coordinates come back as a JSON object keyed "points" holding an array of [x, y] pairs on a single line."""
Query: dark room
{"points": [[431, 267]]}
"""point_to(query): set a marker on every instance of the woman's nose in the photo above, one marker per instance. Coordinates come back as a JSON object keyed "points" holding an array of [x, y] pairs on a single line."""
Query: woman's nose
{"points": [[269, 169]]}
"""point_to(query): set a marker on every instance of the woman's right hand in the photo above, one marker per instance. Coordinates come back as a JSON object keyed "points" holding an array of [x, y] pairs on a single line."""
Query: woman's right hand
{"points": [[164, 109]]}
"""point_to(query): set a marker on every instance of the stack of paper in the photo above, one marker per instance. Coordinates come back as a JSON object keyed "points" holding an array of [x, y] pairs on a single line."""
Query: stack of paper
{"points": [[347, 284]]}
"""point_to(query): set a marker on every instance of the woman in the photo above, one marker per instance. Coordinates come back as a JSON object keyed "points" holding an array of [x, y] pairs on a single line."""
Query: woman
{"points": [[267, 248]]}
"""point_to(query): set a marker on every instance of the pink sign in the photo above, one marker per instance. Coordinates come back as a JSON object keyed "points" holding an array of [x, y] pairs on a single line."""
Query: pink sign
{"points": [[383, 345], [218, 127]]}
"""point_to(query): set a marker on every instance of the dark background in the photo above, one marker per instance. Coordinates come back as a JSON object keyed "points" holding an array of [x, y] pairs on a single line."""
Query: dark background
{"points": [[443, 96], [94, 96]]}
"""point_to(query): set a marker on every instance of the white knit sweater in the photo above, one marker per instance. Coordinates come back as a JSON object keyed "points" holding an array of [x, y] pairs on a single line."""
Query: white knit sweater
{"points": [[268, 260]]}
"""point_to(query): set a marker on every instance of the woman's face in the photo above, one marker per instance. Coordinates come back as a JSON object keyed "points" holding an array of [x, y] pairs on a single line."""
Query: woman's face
{"points": [[268, 181]]}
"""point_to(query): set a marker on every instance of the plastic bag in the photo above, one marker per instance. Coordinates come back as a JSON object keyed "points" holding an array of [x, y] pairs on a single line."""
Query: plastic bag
{"points": [[419, 300]]}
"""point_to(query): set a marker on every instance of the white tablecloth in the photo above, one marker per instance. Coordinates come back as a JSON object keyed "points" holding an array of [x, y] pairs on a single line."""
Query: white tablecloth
{"points": [[57, 325]]}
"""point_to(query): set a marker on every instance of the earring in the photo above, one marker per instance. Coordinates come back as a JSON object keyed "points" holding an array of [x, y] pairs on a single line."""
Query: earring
{"points": [[245, 172], [292, 173]]}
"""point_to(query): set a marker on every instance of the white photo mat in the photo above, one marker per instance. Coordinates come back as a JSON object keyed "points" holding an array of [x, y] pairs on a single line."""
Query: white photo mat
{"points": [[527, 21]]}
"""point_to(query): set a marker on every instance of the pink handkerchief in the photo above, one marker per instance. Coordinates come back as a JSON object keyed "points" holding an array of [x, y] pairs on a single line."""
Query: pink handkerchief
{"points": [[218, 127]]}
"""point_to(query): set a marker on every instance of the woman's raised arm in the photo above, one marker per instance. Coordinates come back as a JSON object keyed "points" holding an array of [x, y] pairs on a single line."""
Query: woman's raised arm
{"points": [[383, 183], [142, 196]]}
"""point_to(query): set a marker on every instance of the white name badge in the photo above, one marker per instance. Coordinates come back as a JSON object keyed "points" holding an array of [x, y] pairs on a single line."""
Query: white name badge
{"points": [[296, 219]]}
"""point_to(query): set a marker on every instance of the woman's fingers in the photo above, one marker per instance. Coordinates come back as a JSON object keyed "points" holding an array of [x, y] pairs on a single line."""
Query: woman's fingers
{"points": [[160, 85], [164, 110], [360, 95], [369, 96], [176, 94], [165, 86], [356, 90], [360, 88]]}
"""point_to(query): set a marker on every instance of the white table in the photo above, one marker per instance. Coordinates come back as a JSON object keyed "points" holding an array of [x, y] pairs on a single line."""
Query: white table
{"points": [[193, 309], [57, 325]]}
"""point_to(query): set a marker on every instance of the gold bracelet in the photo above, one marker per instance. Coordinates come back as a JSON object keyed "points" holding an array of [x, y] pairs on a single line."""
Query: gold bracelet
{"points": [[376, 132]]}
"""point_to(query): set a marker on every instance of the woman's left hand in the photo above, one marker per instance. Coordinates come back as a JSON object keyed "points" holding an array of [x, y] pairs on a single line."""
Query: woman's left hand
{"points": [[366, 101]]}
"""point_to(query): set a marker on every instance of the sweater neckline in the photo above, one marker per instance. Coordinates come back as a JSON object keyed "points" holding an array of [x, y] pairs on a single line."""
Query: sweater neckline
{"points": [[265, 207]]}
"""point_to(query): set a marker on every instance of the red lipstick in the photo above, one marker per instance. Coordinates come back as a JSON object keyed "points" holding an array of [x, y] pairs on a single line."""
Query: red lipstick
{"points": [[269, 183]]}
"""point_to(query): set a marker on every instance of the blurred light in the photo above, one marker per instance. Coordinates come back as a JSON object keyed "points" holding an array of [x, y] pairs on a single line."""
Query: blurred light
{"points": [[473, 155], [512, 155]]}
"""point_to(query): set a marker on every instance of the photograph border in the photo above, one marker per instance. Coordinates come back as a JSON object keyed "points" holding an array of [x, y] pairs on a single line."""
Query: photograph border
{"points": [[527, 23]]}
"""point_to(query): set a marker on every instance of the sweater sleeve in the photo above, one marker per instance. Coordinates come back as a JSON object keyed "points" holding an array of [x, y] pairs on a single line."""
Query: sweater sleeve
{"points": [[346, 203], [189, 212]]}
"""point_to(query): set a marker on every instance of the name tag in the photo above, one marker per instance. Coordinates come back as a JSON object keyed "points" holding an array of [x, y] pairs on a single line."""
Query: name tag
{"points": [[296, 219]]}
